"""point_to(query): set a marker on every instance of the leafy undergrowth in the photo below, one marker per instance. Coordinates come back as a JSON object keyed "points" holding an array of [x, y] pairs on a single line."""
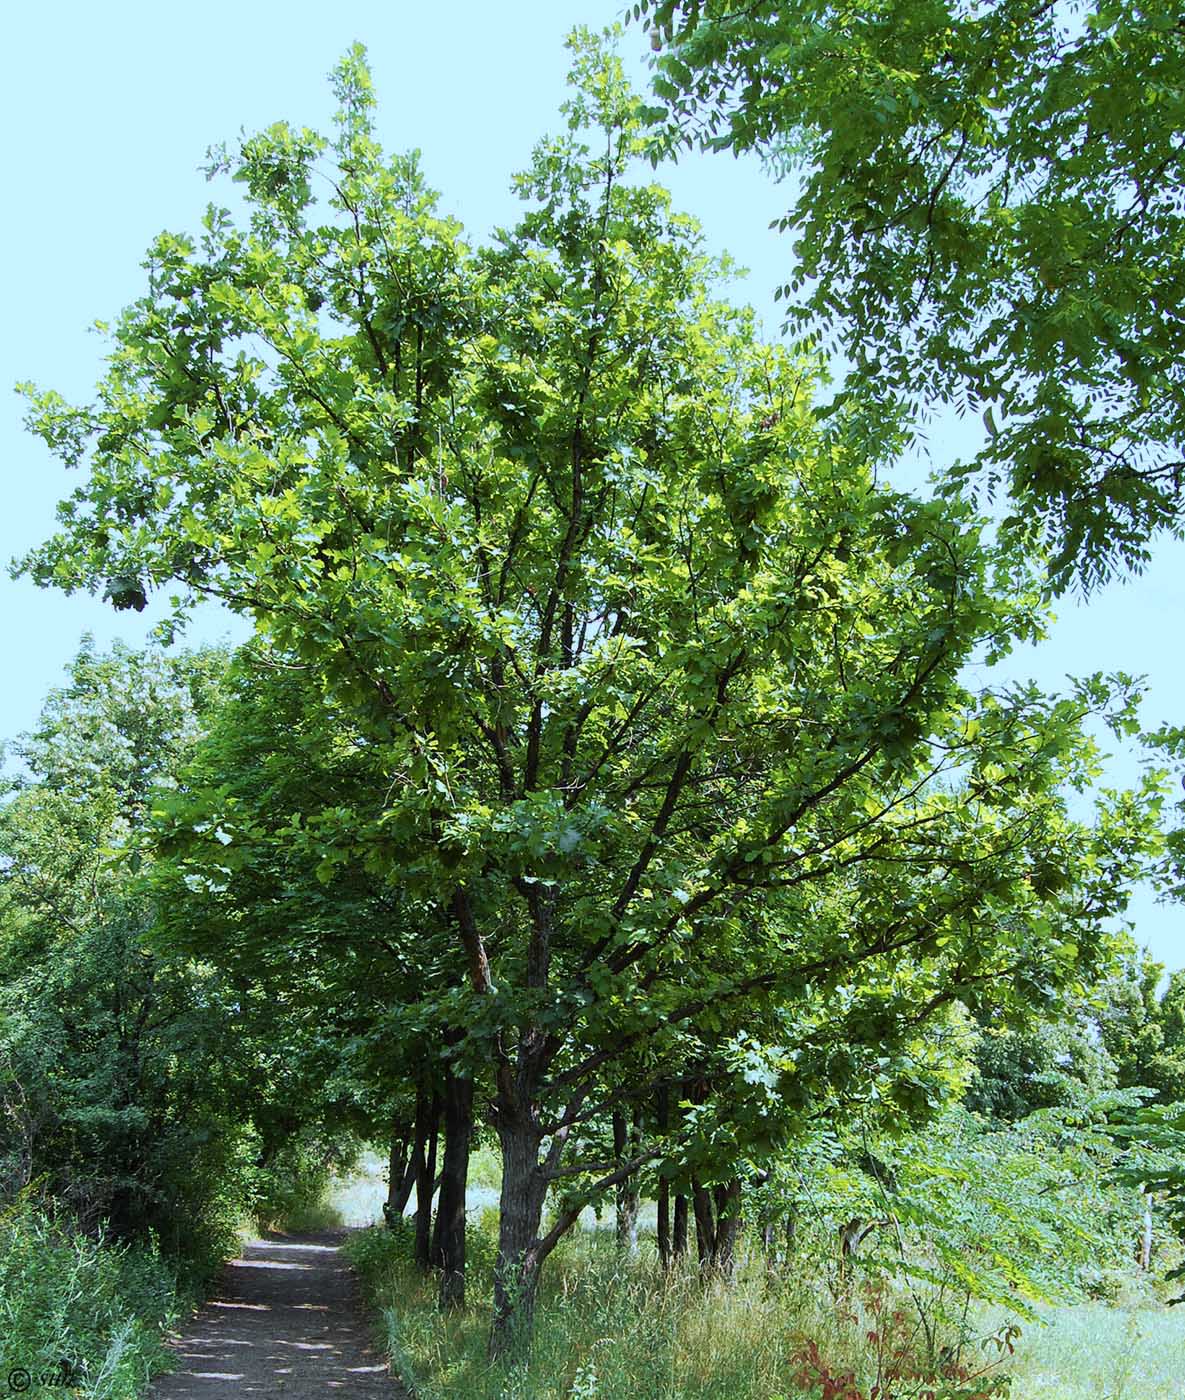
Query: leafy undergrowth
{"points": [[615, 1329], [297, 1191], [77, 1313]]}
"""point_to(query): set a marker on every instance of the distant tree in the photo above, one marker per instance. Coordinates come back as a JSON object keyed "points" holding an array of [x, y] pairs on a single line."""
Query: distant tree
{"points": [[121, 1075], [1052, 1064], [1167, 745], [1143, 1028]]}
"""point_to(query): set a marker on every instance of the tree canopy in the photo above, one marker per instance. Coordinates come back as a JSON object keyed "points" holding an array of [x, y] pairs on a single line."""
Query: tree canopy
{"points": [[989, 212]]}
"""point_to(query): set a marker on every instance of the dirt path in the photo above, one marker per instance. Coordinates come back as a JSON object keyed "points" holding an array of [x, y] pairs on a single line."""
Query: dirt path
{"points": [[285, 1321]]}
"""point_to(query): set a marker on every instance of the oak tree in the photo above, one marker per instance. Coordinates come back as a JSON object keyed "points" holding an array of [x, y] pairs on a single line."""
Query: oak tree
{"points": [[666, 694]]}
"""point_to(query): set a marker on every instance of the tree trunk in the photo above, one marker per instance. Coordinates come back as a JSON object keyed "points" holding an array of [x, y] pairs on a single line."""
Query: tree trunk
{"points": [[516, 1271], [419, 1143], [851, 1237], [728, 1227], [401, 1173], [625, 1140], [664, 1223], [1146, 1236], [705, 1224], [663, 1117], [679, 1234], [427, 1117], [450, 1210], [435, 1247]]}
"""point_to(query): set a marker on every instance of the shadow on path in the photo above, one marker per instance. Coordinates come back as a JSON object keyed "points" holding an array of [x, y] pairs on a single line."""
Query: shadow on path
{"points": [[284, 1321]]}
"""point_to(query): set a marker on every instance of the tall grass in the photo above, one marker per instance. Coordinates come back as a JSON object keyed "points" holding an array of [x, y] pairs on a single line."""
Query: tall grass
{"points": [[1096, 1352], [613, 1327], [77, 1307]]}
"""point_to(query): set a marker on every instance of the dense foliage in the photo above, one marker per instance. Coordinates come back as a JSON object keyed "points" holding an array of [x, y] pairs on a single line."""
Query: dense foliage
{"points": [[975, 1213], [76, 1312], [988, 209], [142, 1115], [122, 1080]]}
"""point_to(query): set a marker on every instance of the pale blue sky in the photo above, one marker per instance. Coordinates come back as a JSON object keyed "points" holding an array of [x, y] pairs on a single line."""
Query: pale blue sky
{"points": [[109, 110]]}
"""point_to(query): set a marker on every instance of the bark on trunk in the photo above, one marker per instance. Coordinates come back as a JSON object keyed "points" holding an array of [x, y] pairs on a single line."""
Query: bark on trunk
{"points": [[851, 1237], [628, 1201], [435, 1248], [679, 1234], [717, 1225], [450, 1210], [705, 1224], [401, 1173], [625, 1139], [516, 1272], [1146, 1236], [663, 1118], [664, 1223], [728, 1227], [427, 1117]]}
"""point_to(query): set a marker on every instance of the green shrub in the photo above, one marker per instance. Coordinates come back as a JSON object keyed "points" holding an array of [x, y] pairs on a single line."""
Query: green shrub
{"points": [[485, 1169], [97, 1308], [293, 1191]]}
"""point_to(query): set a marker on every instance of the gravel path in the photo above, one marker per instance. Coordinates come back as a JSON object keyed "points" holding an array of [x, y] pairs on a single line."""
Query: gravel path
{"points": [[285, 1321]]}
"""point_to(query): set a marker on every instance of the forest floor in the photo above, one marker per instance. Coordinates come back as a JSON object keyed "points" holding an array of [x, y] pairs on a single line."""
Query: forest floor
{"points": [[284, 1321]]}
